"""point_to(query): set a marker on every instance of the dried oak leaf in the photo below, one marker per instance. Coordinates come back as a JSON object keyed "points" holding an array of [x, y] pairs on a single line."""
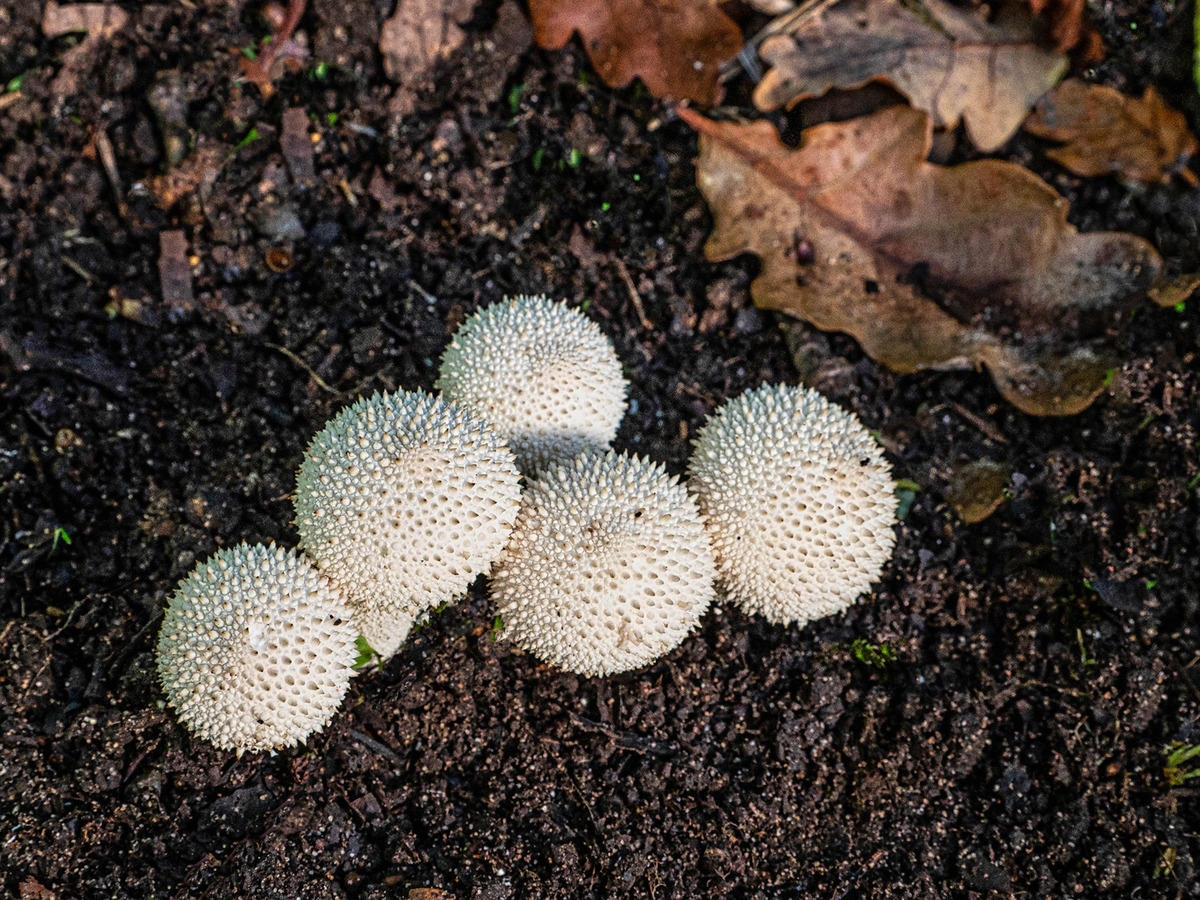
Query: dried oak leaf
{"points": [[1107, 133], [856, 230], [1070, 29], [953, 64], [675, 47]]}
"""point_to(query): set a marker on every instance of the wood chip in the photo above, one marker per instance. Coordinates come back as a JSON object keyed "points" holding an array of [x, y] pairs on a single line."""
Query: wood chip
{"points": [[174, 270], [296, 144]]}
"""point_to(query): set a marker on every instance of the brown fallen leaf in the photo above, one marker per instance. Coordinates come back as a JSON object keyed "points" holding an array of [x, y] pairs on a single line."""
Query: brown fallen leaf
{"points": [[1070, 29], [1173, 291], [856, 231], [418, 35], [1108, 133], [978, 488], [953, 64], [674, 46]]}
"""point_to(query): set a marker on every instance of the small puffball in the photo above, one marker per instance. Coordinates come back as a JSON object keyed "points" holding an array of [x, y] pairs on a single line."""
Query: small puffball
{"points": [[609, 566], [256, 649], [799, 502], [542, 374], [402, 500]]}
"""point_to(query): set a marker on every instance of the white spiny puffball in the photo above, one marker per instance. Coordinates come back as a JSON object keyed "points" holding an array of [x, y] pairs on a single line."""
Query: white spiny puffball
{"points": [[256, 649], [542, 374], [402, 500], [798, 499], [609, 566]]}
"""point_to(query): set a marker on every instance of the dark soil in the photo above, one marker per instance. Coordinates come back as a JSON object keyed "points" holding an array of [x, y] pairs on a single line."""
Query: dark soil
{"points": [[994, 718]]}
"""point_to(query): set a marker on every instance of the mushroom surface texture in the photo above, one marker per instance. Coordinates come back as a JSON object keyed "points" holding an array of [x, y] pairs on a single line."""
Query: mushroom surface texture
{"points": [[798, 499], [542, 374], [256, 649], [402, 500], [609, 566]]}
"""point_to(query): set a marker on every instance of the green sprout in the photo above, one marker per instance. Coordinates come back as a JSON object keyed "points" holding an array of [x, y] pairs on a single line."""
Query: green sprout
{"points": [[1085, 658], [60, 534], [1196, 52], [1177, 769], [514, 97], [538, 156], [497, 627], [574, 159], [319, 72], [366, 653], [14, 84], [1180, 306], [250, 138], [906, 495], [331, 118], [1165, 867], [877, 656]]}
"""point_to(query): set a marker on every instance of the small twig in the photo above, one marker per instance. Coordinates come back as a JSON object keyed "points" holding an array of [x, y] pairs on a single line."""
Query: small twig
{"points": [[986, 427], [77, 269], [108, 161], [305, 366], [382, 749], [634, 295], [575, 786], [428, 297]]}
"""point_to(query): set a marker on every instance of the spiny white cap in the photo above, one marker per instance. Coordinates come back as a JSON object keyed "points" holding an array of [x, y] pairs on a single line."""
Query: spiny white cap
{"points": [[609, 566], [256, 649], [542, 374], [402, 500], [798, 499]]}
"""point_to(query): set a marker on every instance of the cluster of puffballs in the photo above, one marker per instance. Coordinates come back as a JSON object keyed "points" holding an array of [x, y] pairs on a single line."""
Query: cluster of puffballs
{"points": [[599, 561]]}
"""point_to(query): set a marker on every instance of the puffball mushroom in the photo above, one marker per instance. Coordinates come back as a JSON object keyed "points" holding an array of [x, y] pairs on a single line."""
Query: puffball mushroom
{"points": [[799, 502], [609, 566], [402, 500], [542, 374], [256, 649]]}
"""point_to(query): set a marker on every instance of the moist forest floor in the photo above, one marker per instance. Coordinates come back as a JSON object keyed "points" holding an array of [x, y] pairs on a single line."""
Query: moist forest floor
{"points": [[993, 718]]}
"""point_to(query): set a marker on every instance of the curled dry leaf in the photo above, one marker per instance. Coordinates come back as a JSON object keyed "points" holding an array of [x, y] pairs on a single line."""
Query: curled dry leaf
{"points": [[674, 46], [952, 63], [100, 20], [276, 50], [856, 230], [1070, 29], [1106, 133], [978, 488]]}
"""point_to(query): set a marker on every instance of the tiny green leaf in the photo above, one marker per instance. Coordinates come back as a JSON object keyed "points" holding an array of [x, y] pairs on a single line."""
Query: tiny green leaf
{"points": [[365, 652]]}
